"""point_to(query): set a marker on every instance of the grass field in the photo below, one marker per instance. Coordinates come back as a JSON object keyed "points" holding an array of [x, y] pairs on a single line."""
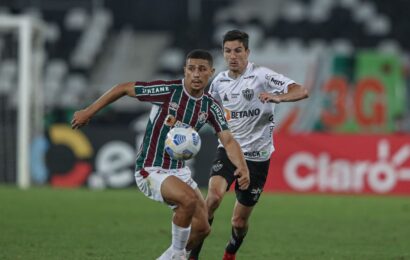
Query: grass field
{"points": [[46, 223]]}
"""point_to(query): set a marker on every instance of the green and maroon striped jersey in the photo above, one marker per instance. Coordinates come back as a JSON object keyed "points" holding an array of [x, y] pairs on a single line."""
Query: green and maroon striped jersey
{"points": [[171, 98]]}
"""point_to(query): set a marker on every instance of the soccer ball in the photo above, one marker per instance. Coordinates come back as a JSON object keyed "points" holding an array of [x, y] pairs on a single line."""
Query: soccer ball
{"points": [[182, 143]]}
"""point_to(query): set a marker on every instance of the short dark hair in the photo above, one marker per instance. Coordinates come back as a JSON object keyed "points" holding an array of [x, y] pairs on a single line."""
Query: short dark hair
{"points": [[201, 54], [238, 35]]}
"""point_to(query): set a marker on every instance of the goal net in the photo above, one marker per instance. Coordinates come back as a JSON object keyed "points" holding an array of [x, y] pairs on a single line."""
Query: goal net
{"points": [[21, 95]]}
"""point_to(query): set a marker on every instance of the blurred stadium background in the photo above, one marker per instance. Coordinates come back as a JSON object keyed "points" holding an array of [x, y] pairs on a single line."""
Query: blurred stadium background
{"points": [[352, 136]]}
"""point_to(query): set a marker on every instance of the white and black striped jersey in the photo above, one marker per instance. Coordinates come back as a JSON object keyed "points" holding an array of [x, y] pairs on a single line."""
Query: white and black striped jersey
{"points": [[250, 120]]}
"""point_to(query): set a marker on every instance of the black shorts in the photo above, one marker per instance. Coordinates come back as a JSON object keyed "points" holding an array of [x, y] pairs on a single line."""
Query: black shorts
{"points": [[258, 171]]}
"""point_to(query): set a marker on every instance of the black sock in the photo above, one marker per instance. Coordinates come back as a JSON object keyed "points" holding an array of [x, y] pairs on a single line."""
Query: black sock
{"points": [[194, 255], [235, 242]]}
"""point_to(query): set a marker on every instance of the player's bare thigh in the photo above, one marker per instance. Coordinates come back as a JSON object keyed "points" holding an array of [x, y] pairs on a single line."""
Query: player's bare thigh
{"points": [[175, 191]]}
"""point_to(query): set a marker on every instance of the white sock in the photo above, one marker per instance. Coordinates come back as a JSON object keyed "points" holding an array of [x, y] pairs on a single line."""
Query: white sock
{"points": [[180, 237]]}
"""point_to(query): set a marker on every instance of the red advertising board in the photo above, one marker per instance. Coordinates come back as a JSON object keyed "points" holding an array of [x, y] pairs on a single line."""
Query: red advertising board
{"points": [[329, 163]]}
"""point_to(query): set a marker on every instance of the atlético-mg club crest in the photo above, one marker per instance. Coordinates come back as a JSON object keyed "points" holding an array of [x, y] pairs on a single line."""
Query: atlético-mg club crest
{"points": [[247, 94]]}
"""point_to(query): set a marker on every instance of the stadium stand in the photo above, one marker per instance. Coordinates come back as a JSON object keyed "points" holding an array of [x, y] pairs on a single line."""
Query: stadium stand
{"points": [[93, 44]]}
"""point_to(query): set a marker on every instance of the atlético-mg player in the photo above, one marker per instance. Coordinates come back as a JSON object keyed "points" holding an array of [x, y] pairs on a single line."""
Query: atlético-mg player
{"points": [[248, 93]]}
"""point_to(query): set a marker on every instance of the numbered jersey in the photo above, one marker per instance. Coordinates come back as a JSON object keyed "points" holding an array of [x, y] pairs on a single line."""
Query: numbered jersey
{"points": [[250, 120]]}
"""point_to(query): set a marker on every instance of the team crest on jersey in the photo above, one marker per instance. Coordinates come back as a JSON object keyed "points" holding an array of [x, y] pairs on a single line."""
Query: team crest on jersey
{"points": [[217, 166], [226, 97], [248, 94], [202, 116]]}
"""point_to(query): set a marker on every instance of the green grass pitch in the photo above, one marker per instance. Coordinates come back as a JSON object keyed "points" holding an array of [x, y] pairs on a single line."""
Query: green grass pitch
{"points": [[47, 223]]}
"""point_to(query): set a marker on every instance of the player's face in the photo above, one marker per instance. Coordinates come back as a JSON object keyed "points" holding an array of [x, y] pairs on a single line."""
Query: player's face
{"points": [[236, 56], [197, 74]]}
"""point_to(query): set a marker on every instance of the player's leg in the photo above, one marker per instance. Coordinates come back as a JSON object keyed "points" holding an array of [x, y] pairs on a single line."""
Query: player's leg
{"points": [[176, 192], [220, 181], [176, 188], [222, 176], [240, 223], [200, 227], [216, 191], [245, 202]]}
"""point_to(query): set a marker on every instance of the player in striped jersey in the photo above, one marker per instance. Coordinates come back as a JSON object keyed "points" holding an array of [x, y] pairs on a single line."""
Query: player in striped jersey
{"points": [[248, 93], [160, 177]]}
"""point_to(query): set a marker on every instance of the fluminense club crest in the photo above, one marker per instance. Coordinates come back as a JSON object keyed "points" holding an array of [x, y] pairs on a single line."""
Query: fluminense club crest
{"points": [[202, 117], [247, 94]]}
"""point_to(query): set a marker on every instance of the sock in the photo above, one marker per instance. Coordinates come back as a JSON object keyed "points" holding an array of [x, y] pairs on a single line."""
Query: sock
{"points": [[195, 251], [180, 237], [235, 242]]}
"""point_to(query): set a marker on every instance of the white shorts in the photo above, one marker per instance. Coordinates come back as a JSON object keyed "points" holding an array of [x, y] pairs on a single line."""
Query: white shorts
{"points": [[150, 184]]}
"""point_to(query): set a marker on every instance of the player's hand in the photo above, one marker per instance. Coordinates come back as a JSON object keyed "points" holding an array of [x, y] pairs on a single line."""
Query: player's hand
{"points": [[243, 178], [80, 119], [268, 97]]}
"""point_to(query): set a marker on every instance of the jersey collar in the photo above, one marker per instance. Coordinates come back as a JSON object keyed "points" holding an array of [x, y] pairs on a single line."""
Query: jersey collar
{"points": [[247, 70], [189, 95]]}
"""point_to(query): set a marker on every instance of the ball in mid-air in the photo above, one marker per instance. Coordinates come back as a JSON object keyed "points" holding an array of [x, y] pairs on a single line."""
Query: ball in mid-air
{"points": [[182, 143]]}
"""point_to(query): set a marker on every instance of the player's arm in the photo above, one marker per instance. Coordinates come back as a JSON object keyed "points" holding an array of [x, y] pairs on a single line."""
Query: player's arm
{"points": [[235, 155], [295, 92], [82, 117]]}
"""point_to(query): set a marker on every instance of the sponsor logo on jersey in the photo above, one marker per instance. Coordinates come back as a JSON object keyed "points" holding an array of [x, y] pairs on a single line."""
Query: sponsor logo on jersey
{"points": [[226, 97], [274, 82], [245, 113], [217, 166], [155, 90], [235, 95], [248, 94], [202, 117], [224, 80], [227, 114], [219, 114], [256, 154], [249, 77], [173, 106], [170, 120]]}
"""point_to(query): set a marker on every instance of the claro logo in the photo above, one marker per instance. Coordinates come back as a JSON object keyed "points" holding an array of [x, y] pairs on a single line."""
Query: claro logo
{"points": [[304, 171]]}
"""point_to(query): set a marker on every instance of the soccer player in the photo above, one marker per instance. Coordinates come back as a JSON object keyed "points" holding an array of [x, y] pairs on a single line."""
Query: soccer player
{"points": [[248, 93], [160, 177]]}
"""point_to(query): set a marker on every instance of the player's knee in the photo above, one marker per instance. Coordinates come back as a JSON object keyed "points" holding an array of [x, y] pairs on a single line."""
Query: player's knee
{"points": [[204, 230], [190, 202], [239, 223], [214, 199]]}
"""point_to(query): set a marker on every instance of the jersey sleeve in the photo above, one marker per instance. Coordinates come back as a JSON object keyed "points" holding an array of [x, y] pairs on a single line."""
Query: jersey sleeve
{"points": [[155, 91], [216, 117], [276, 83], [213, 90]]}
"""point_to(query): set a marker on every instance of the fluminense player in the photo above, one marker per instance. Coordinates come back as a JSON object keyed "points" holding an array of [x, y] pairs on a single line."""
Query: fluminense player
{"points": [[160, 177], [248, 93]]}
